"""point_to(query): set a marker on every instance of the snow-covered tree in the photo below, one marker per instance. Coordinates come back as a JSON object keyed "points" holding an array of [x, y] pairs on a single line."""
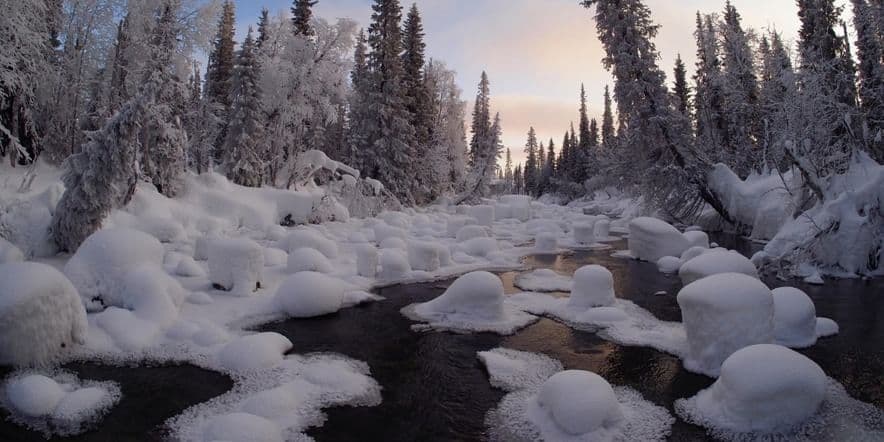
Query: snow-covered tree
{"points": [[484, 166], [584, 146], [448, 142], [777, 81], [417, 101], [302, 14], [242, 155], [740, 93], [870, 52], [711, 124]]}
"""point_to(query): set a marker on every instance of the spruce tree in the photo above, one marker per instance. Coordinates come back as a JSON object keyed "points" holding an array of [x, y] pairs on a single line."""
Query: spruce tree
{"points": [[302, 13], [481, 125], [711, 125], [777, 82], [608, 136], [530, 171], [242, 158], [263, 24], [740, 94], [508, 170], [418, 103], [681, 92], [871, 74], [360, 116], [219, 74], [582, 153]]}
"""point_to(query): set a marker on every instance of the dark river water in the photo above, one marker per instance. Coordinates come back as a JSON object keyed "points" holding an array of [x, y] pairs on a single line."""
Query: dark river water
{"points": [[434, 387]]}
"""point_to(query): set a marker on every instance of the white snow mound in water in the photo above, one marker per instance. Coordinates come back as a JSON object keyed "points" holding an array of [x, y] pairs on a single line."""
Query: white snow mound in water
{"points": [[310, 294], [580, 402], [592, 286], [41, 315], [474, 302], [306, 259], [236, 265], [10, 253], [546, 242], [253, 352], [242, 427], [715, 262], [723, 313], [312, 239], [103, 262], [795, 321], [762, 389], [651, 239]]}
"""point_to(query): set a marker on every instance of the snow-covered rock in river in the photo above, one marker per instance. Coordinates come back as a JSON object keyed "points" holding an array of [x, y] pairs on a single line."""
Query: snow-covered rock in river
{"points": [[584, 233], [312, 239], [762, 389], [236, 265], [306, 259], [651, 239], [546, 242], [479, 247], [309, 294], [483, 214], [41, 315], [723, 313], [9, 252], [602, 229], [394, 264], [424, 256], [253, 352], [467, 233], [697, 238], [795, 321], [669, 264], [714, 262], [580, 402], [188, 268], [474, 302], [101, 265], [34, 396], [592, 286], [367, 260]]}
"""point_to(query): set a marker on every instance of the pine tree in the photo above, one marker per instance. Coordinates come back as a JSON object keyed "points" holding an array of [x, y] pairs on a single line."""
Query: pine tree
{"points": [[117, 95], [681, 92], [242, 158], [740, 94], [302, 13], [263, 24], [531, 165], [219, 74], [608, 136], [871, 74], [549, 168], [711, 126]]}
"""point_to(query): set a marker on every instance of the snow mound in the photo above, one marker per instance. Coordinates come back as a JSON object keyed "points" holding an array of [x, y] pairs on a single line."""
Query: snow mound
{"points": [[762, 389], [484, 214], [826, 327], [242, 427], [602, 229], [9, 252], [367, 260], [584, 233], [41, 315], [188, 268], [592, 286], [513, 370], [669, 264], [454, 224], [100, 266], [546, 242], [697, 238], [311, 239], [467, 233], [723, 313], [479, 247], [692, 253], [254, 352], [651, 239], [474, 302], [394, 264], [236, 265], [795, 321], [306, 259], [310, 294], [580, 402], [59, 404], [715, 262], [543, 280], [424, 256]]}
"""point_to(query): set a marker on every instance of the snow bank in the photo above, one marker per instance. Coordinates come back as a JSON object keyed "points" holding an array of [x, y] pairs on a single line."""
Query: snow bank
{"points": [[592, 286], [651, 239], [59, 404], [236, 265], [474, 302], [253, 352], [715, 262], [306, 259], [763, 389], [41, 316], [543, 280], [309, 294], [101, 265], [722, 314]]}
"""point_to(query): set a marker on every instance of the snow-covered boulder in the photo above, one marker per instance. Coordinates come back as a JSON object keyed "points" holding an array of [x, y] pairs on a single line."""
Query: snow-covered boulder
{"points": [[546, 242], [580, 402], [697, 238], [794, 318], [236, 265], [457, 222], [101, 265], [253, 352], [313, 240], [367, 260], [309, 294], [592, 286], [715, 262], [467, 233], [393, 242], [9, 252], [483, 214], [306, 259], [41, 315], [723, 313], [602, 229], [692, 253], [762, 389], [34, 395], [651, 239], [187, 267], [383, 232], [152, 295], [394, 264], [669, 264], [584, 233], [424, 256]]}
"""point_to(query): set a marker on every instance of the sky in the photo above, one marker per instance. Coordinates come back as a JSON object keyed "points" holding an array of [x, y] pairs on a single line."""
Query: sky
{"points": [[538, 52]]}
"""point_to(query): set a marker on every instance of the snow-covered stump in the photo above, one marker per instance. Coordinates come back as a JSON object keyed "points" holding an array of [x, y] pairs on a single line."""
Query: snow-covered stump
{"points": [[236, 265], [580, 402], [715, 262], [722, 314], [306, 259], [584, 233], [763, 389], [546, 242], [367, 260], [41, 315], [592, 286], [651, 239], [423, 256]]}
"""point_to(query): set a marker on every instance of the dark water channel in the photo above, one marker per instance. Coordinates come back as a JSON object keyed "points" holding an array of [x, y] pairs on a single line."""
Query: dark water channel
{"points": [[434, 387]]}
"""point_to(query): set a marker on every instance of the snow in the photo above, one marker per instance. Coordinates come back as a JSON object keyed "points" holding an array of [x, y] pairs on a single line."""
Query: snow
{"points": [[794, 318], [692, 253], [9, 252], [602, 229], [669, 264], [41, 315], [457, 222], [651, 239], [584, 233], [367, 260], [236, 265], [545, 403], [310, 294], [101, 265], [592, 286], [306, 259], [697, 238], [393, 242], [763, 389], [484, 214], [313, 240], [826, 327], [722, 314], [715, 262], [479, 247], [543, 280], [189, 268], [253, 352], [242, 427], [473, 302], [467, 233], [57, 403], [546, 242], [424, 256], [394, 264]]}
